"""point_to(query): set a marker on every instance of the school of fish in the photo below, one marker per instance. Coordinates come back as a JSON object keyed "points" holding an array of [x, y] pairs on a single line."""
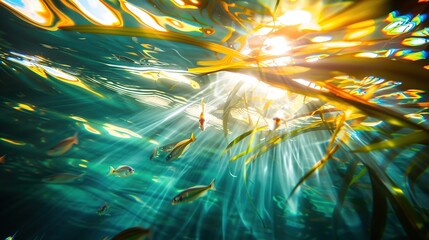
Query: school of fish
{"points": [[175, 151]]}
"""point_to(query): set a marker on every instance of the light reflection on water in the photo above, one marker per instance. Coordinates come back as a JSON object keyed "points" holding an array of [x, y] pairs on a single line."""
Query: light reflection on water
{"points": [[129, 77]]}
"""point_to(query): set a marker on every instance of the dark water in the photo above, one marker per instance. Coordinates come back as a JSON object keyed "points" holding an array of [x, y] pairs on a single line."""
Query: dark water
{"points": [[129, 86]]}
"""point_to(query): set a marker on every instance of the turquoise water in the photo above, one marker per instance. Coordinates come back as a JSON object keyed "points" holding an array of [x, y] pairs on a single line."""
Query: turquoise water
{"points": [[340, 82]]}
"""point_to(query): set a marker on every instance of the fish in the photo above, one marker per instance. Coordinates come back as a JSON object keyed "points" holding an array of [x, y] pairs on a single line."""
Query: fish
{"points": [[169, 147], [3, 159], [134, 233], [63, 146], [103, 209], [202, 119], [193, 193], [154, 153], [180, 148], [62, 178], [277, 122], [121, 171]]}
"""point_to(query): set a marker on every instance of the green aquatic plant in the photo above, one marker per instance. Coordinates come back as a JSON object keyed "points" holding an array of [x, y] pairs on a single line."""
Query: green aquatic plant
{"points": [[354, 111]]}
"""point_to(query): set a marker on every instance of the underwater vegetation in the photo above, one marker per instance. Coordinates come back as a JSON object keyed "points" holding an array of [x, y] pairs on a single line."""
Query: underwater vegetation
{"points": [[118, 117]]}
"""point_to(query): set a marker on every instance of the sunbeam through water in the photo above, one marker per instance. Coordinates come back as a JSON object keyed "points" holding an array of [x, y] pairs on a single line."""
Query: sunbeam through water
{"points": [[198, 119]]}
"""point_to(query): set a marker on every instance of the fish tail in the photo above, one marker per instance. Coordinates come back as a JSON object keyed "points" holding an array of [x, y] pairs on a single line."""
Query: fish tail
{"points": [[192, 137], [75, 138], [212, 186], [111, 170]]}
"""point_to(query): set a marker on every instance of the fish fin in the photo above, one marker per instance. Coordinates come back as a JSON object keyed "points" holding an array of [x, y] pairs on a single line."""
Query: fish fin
{"points": [[75, 141], [212, 186], [111, 171], [192, 137]]}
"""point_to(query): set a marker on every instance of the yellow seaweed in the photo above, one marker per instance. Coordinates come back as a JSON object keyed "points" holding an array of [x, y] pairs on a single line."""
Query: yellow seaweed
{"points": [[408, 139]]}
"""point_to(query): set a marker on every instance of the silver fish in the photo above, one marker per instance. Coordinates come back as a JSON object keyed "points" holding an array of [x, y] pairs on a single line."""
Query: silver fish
{"points": [[193, 193], [121, 171]]}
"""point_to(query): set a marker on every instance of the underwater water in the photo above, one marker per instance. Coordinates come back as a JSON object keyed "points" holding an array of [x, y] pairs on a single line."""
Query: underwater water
{"points": [[310, 117]]}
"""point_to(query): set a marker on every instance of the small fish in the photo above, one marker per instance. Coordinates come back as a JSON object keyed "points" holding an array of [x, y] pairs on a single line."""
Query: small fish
{"points": [[180, 148], [154, 153], [134, 233], [277, 122], [3, 159], [63, 146], [122, 171], [193, 193], [202, 119], [103, 209], [62, 178]]}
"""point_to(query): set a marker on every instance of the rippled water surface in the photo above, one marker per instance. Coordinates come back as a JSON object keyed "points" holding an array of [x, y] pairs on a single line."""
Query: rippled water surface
{"points": [[311, 117]]}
